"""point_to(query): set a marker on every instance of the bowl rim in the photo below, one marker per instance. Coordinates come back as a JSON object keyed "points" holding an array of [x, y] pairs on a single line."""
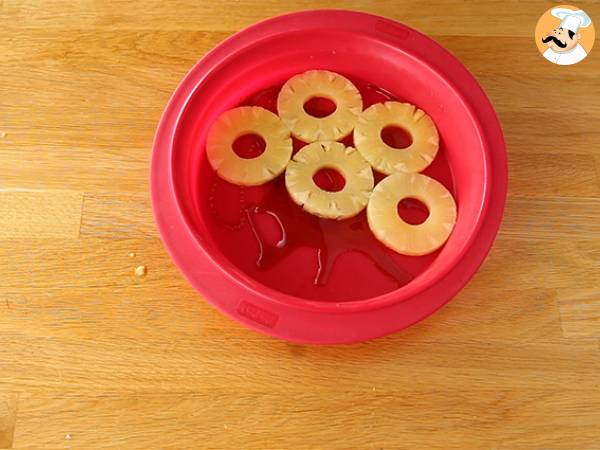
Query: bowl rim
{"points": [[462, 84], [400, 294]]}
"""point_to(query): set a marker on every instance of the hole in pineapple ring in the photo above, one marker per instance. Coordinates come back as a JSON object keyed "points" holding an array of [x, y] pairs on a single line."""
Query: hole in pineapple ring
{"points": [[413, 211], [319, 107], [396, 137], [330, 180], [249, 145]]}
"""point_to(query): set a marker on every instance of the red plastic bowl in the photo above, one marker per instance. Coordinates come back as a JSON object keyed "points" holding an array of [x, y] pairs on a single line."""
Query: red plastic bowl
{"points": [[359, 304]]}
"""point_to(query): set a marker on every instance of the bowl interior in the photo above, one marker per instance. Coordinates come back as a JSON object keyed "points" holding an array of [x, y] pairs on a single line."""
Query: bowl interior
{"points": [[215, 211]]}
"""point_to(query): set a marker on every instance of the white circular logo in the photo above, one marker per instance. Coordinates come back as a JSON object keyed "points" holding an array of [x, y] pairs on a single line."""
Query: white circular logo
{"points": [[565, 35]]}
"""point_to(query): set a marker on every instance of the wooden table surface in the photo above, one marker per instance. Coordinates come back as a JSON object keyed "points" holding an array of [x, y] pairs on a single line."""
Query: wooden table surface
{"points": [[92, 356]]}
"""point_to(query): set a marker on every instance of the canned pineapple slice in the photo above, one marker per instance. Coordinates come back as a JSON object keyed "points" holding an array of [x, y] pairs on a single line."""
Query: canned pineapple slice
{"points": [[407, 239], [386, 159], [244, 120], [357, 174], [313, 84]]}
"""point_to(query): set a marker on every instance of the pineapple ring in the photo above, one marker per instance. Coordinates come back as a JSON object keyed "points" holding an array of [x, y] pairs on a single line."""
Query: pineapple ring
{"points": [[402, 237], [348, 201], [319, 83], [386, 159], [244, 120]]}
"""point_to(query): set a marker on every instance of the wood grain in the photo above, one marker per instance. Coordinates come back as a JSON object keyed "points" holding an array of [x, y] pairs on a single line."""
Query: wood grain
{"points": [[40, 214], [543, 175], [580, 313], [93, 356], [541, 264], [368, 420], [552, 218], [8, 416], [83, 262], [429, 16], [110, 215]]}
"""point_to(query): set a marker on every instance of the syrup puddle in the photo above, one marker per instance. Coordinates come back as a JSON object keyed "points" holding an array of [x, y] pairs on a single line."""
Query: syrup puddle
{"points": [[330, 238]]}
